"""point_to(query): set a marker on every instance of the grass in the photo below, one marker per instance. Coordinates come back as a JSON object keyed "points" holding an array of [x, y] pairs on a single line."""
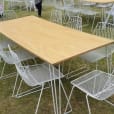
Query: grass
{"points": [[27, 105]]}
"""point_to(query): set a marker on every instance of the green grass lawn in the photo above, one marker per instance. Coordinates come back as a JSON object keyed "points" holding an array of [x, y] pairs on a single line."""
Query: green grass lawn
{"points": [[27, 105]]}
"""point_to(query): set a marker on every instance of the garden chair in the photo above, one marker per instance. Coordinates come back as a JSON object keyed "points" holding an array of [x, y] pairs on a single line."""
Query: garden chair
{"points": [[110, 13], [88, 12], [104, 8], [96, 84], [74, 22], [30, 4], [5, 55], [35, 75], [104, 30], [56, 16]]}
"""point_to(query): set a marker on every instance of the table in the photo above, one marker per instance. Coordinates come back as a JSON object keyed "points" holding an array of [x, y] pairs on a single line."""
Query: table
{"points": [[100, 1], [50, 42]]}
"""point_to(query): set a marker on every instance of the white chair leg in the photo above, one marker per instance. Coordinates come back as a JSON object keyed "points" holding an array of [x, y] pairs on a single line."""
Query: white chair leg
{"points": [[2, 76], [3, 70], [27, 92], [93, 23], [18, 89], [107, 101], [68, 102], [15, 85], [88, 104], [39, 99]]}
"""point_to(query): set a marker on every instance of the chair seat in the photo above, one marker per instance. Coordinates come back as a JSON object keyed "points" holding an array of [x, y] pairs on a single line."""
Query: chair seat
{"points": [[40, 74], [97, 84], [110, 13], [93, 56]]}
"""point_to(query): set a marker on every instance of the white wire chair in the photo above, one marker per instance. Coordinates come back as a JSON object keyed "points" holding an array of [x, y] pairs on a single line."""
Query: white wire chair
{"points": [[35, 75], [96, 84], [89, 13], [110, 13], [74, 22], [6, 56], [104, 30], [56, 16], [103, 7], [30, 4]]}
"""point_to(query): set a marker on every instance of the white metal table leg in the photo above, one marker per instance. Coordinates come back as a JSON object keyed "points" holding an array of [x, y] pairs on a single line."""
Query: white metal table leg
{"points": [[52, 88]]}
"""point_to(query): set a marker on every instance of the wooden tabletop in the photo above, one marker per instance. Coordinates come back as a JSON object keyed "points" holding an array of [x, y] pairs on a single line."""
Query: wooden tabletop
{"points": [[51, 42], [100, 1]]}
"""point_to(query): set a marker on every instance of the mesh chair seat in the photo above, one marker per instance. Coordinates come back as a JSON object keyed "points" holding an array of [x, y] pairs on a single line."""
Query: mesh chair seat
{"points": [[97, 84], [39, 74], [96, 55]]}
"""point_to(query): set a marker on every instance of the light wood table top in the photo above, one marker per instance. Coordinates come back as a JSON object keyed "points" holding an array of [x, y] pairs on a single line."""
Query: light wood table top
{"points": [[51, 42], [100, 1]]}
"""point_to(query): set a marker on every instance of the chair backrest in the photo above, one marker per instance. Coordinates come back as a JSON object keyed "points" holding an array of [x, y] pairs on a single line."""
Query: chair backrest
{"points": [[6, 56], [75, 22], [9, 14], [109, 14], [1, 7], [104, 30], [23, 71], [68, 3], [4, 52], [56, 16]]}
